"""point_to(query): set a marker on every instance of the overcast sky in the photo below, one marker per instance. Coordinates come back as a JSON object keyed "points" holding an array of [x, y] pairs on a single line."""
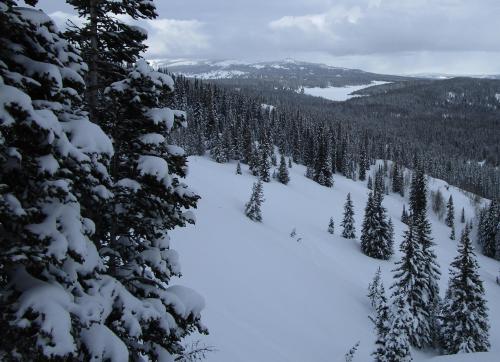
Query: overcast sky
{"points": [[386, 36]]}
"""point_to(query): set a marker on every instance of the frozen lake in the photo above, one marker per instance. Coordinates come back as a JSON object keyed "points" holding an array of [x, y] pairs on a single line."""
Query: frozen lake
{"points": [[339, 93]]}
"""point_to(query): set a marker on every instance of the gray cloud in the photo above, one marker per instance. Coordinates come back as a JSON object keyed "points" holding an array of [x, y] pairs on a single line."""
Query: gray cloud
{"points": [[409, 35]]}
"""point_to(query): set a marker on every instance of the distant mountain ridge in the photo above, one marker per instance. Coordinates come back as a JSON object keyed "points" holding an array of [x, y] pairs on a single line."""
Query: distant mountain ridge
{"points": [[289, 72]]}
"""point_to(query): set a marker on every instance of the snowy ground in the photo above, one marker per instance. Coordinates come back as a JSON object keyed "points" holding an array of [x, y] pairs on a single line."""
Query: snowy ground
{"points": [[270, 297], [339, 93]]}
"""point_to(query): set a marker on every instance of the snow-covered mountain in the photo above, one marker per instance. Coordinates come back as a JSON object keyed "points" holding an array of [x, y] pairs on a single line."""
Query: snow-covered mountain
{"points": [[273, 297], [289, 70]]}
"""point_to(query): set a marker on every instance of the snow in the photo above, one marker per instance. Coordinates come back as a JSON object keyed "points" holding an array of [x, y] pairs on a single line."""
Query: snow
{"points": [[339, 93], [497, 96], [153, 166], [270, 297], [216, 74]]}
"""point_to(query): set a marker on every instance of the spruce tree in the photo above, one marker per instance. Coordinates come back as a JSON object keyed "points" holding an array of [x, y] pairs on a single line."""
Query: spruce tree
{"points": [[264, 164], [149, 200], [375, 233], [464, 317], [252, 208], [375, 289], [452, 232], [450, 213], [462, 216], [331, 226], [397, 346], [369, 184], [238, 168], [53, 173], [107, 43], [382, 326], [283, 171], [487, 229], [289, 162], [348, 228], [404, 216], [410, 287]]}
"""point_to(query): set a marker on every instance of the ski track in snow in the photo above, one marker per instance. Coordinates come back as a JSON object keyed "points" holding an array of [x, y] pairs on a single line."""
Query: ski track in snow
{"points": [[271, 298]]}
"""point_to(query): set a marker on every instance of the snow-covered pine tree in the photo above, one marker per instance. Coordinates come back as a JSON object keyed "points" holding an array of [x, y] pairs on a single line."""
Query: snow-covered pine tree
{"points": [[107, 43], [404, 216], [52, 162], [289, 162], [422, 231], [375, 238], [149, 200], [369, 183], [397, 346], [238, 168], [382, 325], [264, 164], [374, 289], [331, 226], [348, 228], [410, 288], [252, 208], [462, 216], [363, 163], [452, 233], [487, 229], [464, 317], [450, 213], [283, 176]]}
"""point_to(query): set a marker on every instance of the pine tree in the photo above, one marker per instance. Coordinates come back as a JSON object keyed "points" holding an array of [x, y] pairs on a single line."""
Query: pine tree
{"points": [[462, 216], [264, 165], [404, 216], [331, 226], [252, 208], [363, 165], [487, 229], [397, 346], [348, 228], [382, 326], [283, 171], [452, 233], [238, 168], [375, 233], [149, 200], [53, 174], [289, 162], [450, 213], [410, 288], [107, 43], [375, 289], [369, 183], [465, 326]]}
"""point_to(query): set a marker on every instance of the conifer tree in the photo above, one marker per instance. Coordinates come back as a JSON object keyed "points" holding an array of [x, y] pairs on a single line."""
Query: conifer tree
{"points": [[487, 229], [382, 326], [404, 216], [464, 317], [53, 173], [331, 226], [375, 289], [283, 171], [238, 168], [462, 216], [348, 228], [450, 213], [107, 43], [264, 165], [252, 208], [369, 184], [363, 165], [289, 162], [149, 200], [397, 346], [410, 287], [452, 232], [375, 233]]}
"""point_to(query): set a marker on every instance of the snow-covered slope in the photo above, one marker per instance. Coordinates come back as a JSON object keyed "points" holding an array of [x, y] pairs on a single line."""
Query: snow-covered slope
{"points": [[270, 297]]}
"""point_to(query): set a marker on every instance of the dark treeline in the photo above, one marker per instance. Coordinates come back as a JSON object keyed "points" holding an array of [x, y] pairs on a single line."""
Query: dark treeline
{"points": [[347, 137]]}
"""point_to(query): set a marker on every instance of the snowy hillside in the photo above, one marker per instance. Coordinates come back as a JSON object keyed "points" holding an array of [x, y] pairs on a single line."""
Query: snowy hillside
{"points": [[271, 297]]}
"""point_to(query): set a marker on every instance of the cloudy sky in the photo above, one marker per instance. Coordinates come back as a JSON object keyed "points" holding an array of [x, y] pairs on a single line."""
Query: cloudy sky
{"points": [[387, 36]]}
